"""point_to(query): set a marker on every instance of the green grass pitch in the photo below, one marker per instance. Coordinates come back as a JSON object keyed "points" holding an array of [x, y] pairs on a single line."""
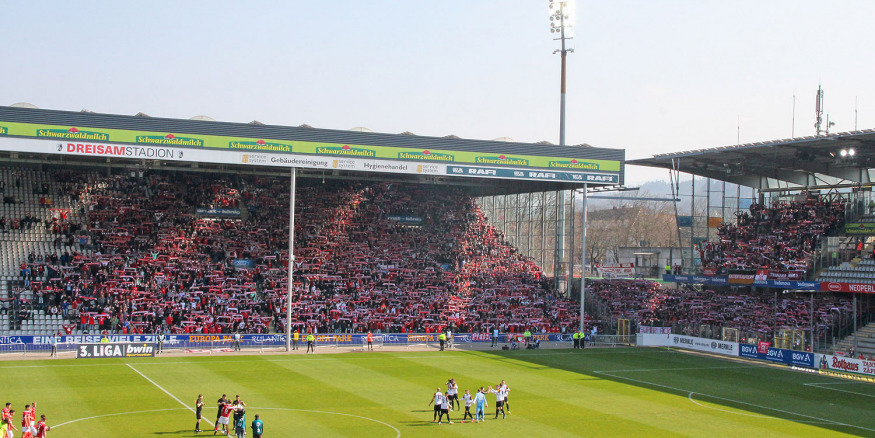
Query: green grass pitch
{"points": [[554, 393]]}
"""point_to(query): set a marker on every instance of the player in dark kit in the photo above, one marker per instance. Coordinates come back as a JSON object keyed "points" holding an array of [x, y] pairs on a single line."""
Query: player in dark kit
{"points": [[199, 407], [257, 427], [221, 405]]}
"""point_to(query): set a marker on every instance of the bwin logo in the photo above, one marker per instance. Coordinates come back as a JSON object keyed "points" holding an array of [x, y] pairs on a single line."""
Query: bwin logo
{"points": [[139, 350]]}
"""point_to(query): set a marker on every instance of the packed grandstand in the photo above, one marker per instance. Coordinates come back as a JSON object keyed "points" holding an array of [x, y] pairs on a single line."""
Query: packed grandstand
{"points": [[92, 251]]}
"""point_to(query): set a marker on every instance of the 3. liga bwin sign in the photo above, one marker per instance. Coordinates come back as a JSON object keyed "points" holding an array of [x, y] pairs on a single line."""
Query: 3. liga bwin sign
{"points": [[92, 351]]}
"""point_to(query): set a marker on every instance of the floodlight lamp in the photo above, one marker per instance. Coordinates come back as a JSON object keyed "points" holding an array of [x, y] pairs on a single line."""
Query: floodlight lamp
{"points": [[843, 153], [852, 152]]}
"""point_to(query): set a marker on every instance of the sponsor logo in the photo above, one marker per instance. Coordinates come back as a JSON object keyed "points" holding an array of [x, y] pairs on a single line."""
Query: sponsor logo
{"points": [[427, 168], [144, 350], [601, 178], [426, 155], [346, 150], [574, 164], [471, 171], [259, 145], [503, 160], [10, 340], [834, 287], [3, 130], [170, 139], [300, 161], [334, 338], [254, 159], [841, 364], [127, 151], [543, 175], [868, 288], [206, 339], [377, 167], [72, 133], [269, 339], [343, 164]]}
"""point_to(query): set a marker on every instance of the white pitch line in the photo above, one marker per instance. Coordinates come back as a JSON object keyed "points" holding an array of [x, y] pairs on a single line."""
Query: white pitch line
{"points": [[817, 385], [115, 415], [168, 393], [690, 397], [397, 432], [678, 369], [739, 402]]}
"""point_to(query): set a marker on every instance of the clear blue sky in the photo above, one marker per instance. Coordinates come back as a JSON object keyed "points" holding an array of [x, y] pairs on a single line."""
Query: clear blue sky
{"points": [[646, 76]]}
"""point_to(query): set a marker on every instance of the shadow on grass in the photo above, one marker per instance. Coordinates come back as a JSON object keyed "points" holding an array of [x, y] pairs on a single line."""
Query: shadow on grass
{"points": [[418, 423], [767, 391]]}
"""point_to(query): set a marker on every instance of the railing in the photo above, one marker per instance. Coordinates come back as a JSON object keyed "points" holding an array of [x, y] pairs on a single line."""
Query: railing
{"points": [[613, 340]]}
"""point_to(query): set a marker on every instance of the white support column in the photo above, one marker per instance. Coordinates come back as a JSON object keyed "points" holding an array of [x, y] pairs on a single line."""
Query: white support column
{"points": [[583, 265], [291, 287]]}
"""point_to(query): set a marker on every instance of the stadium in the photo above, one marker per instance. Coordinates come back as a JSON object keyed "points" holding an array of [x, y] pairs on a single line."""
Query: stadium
{"points": [[140, 252], [303, 281]]}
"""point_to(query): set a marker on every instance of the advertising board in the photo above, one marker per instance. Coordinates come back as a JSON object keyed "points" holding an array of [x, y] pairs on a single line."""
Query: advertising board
{"points": [[847, 365], [706, 345], [787, 357], [106, 349]]}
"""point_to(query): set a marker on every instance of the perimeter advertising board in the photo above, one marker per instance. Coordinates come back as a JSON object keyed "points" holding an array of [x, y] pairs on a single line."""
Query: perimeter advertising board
{"points": [[106, 349], [267, 340], [847, 365], [860, 288], [703, 344], [724, 281], [787, 357]]}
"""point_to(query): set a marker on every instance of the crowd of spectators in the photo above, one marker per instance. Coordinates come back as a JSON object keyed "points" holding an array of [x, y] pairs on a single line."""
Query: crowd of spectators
{"points": [[780, 237], [154, 254], [699, 311], [197, 253]]}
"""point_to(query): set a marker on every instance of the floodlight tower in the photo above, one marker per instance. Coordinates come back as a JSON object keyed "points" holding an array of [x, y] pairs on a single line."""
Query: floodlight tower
{"points": [[561, 23], [818, 111]]}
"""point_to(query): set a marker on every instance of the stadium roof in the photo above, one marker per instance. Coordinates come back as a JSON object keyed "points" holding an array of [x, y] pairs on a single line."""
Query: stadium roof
{"points": [[835, 160], [26, 115]]}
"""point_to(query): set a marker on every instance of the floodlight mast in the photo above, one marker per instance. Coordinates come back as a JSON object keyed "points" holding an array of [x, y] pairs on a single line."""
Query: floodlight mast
{"points": [[558, 25]]}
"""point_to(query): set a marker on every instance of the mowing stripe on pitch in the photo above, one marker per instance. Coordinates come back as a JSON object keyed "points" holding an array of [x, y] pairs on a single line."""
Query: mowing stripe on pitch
{"points": [[687, 391]]}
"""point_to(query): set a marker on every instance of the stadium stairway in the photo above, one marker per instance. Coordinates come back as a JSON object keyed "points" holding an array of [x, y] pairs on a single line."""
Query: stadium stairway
{"points": [[865, 341], [25, 187]]}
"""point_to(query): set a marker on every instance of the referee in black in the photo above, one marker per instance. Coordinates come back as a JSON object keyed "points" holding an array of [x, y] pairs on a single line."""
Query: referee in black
{"points": [[198, 406]]}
